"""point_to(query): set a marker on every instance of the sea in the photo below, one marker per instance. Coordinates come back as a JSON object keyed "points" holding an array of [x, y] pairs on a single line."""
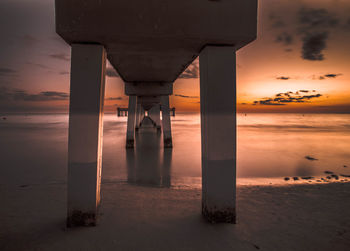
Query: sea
{"points": [[272, 149]]}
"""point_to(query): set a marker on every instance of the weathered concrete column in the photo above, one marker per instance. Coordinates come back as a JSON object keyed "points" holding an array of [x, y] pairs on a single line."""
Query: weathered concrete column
{"points": [[155, 115], [168, 142], [218, 129], [130, 133], [143, 114], [138, 116], [87, 90]]}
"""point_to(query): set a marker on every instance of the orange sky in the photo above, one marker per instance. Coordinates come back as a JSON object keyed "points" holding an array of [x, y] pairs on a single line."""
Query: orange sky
{"points": [[34, 72]]}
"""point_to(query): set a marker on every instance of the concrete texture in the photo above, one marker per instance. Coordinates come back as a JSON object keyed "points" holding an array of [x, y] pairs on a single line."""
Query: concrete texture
{"points": [[155, 41], [148, 89], [130, 133], [154, 114], [168, 141], [138, 116], [218, 130], [85, 133]]}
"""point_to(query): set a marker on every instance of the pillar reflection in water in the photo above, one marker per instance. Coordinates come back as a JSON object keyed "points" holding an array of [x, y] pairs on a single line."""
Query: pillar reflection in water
{"points": [[149, 162]]}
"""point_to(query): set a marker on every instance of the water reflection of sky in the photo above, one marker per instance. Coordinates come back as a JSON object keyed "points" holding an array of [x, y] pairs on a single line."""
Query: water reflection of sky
{"points": [[270, 147]]}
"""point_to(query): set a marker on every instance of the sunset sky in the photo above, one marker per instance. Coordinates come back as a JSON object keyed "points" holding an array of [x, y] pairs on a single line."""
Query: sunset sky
{"points": [[299, 63]]}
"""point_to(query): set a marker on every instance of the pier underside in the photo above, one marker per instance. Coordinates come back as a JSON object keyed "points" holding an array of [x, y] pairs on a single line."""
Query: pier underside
{"points": [[150, 43]]}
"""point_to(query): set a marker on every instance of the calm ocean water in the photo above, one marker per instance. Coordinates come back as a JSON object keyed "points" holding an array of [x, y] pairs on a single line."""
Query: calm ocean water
{"points": [[270, 147]]}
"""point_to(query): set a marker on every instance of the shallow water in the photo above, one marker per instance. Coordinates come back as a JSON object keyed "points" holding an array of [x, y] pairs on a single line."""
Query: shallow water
{"points": [[270, 147]]}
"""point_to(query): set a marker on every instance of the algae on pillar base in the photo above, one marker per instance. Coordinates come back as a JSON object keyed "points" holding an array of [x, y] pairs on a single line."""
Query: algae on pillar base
{"points": [[218, 131]]}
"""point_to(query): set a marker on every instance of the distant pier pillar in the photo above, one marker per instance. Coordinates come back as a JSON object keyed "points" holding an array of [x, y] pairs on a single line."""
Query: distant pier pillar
{"points": [[131, 113], [155, 115], [138, 116], [168, 142], [218, 130], [87, 89]]}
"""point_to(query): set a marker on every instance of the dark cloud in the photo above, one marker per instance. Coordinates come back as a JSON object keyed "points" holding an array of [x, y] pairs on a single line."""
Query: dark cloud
{"points": [[315, 26], [310, 158], [287, 97], [332, 75], [114, 98], [282, 78], [6, 71], [38, 65], [111, 72], [22, 95], [313, 46], [185, 96], [327, 76], [285, 38], [276, 21], [311, 19], [60, 56], [267, 102], [192, 71]]}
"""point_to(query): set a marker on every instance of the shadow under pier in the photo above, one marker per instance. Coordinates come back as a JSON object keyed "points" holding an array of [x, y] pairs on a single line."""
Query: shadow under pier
{"points": [[149, 162]]}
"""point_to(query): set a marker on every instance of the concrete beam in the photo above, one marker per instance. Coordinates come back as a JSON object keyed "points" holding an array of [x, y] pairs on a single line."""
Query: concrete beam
{"points": [[87, 88], [218, 129], [130, 133], [152, 43], [148, 89], [168, 141], [148, 102]]}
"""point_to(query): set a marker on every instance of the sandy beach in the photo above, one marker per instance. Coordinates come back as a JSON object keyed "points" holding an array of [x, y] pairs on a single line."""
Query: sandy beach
{"points": [[290, 217], [280, 215]]}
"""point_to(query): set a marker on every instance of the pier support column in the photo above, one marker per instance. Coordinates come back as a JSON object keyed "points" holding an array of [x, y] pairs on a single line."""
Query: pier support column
{"points": [[87, 88], [155, 115], [130, 133], [138, 116], [168, 142], [218, 130]]}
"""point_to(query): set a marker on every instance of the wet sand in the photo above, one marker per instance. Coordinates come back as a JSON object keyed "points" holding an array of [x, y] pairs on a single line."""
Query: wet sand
{"points": [[290, 217]]}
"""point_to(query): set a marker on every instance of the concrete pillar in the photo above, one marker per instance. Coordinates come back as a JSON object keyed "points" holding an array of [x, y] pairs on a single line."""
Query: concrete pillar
{"points": [[157, 116], [143, 114], [166, 172], [218, 130], [168, 142], [131, 113], [154, 114], [130, 133], [87, 88], [138, 116]]}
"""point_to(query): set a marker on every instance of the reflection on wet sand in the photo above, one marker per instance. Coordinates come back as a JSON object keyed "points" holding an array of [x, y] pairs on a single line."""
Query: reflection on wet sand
{"points": [[148, 164]]}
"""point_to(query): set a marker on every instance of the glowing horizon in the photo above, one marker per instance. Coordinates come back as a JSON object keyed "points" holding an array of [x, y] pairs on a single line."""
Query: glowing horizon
{"points": [[285, 58]]}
